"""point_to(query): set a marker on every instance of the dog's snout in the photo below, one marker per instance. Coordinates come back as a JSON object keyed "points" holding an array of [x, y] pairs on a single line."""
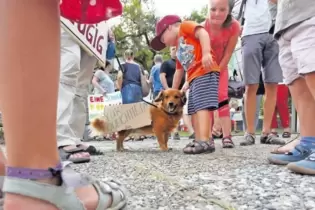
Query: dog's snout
{"points": [[171, 104]]}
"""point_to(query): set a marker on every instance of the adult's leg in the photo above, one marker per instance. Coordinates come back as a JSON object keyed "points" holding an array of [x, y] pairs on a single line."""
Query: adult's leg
{"points": [[31, 125], [69, 78], [272, 76], [258, 103], [303, 42], [252, 57], [69, 71], [274, 122], [78, 116], [243, 114], [293, 53]]}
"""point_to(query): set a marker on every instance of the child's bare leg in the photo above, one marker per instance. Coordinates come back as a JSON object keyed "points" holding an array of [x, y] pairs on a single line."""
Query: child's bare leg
{"points": [[195, 125], [204, 122], [30, 55]]}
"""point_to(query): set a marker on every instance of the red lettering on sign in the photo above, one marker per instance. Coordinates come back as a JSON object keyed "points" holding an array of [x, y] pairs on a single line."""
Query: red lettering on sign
{"points": [[99, 47], [91, 99], [81, 28], [89, 34], [92, 35]]}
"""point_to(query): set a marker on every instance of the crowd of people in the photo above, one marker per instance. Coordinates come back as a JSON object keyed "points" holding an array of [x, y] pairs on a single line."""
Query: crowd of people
{"points": [[35, 177]]}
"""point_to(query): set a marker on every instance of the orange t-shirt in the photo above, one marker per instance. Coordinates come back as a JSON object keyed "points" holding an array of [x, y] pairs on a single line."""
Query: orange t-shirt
{"points": [[189, 52]]}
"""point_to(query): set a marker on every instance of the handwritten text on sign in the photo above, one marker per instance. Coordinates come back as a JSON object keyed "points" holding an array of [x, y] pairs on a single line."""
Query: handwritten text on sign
{"points": [[92, 37], [97, 103], [127, 116]]}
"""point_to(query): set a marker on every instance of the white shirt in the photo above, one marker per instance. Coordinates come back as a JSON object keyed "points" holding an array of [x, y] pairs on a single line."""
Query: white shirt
{"points": [[257, 17]]}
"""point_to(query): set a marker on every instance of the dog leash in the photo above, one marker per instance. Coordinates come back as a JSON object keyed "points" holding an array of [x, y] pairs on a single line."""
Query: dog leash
{"points": [[168, 113], [221, 104]]}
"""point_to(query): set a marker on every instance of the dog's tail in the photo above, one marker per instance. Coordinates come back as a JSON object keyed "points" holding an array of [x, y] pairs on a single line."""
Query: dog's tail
{"points": [[98, 127]]}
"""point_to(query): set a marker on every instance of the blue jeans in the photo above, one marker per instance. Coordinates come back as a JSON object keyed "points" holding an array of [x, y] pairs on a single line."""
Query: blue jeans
{"points": [[131, 93], [258, 102]]}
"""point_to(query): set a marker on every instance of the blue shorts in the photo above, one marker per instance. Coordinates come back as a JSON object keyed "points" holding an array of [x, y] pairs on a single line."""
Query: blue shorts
{"points": [[203, 93]]}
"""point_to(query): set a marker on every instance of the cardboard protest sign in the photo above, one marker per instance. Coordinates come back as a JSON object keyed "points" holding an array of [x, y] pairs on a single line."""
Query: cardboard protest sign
{"points": [[127, 116], [97, 103], [91, 37], [118, 116]]}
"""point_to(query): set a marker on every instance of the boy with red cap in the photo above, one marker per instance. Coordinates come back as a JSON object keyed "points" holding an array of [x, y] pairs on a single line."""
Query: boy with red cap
{"points": [[194, 58]]}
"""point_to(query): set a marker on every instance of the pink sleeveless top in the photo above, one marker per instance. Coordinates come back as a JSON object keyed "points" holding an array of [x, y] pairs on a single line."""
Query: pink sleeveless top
{"points": [[220, 40]]}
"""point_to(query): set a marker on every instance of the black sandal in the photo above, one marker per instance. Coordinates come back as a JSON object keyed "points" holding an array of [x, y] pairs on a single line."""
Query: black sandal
{"points": [[286, 135], [199, 147], [68, 155], [91, 150], [227, 142], [217, 135]]}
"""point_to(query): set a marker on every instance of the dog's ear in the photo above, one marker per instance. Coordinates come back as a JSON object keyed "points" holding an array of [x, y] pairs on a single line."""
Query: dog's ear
{"points": [[159, 97], [183, 97]]}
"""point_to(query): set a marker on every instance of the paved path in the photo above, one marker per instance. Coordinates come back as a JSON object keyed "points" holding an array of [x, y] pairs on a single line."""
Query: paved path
{"points": [[237, 178]]}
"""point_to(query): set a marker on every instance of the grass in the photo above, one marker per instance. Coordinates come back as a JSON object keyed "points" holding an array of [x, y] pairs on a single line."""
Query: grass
{"points": [[160, 176]]}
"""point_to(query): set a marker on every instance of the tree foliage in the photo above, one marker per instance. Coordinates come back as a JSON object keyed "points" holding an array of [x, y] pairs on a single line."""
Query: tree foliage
{"points": [[137, 28], [198, 15]]}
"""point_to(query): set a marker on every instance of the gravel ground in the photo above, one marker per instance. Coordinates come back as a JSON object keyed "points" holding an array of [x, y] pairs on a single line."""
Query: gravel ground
{"points": [[229, 179]]}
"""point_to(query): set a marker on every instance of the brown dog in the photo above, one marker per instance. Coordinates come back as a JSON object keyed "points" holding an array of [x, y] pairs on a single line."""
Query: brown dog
{"points": [[165, 116]]}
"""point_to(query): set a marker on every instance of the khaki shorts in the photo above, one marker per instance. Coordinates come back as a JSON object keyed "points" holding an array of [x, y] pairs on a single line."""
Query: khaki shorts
{"points": [[297, 50]]}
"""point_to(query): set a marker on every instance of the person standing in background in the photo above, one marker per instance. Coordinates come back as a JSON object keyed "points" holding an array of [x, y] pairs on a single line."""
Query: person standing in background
{"points": [[223, 31], [282, 109], [76, 70], [102, 82], [155, 75], [259, 49], [167, 72], [168, 69], [111, 47], [129, 80]]}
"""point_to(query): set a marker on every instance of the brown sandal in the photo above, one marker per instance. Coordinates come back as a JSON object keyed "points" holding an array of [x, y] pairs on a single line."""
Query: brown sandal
{"points": [[286, 135], [199, 147], [227, 142]]}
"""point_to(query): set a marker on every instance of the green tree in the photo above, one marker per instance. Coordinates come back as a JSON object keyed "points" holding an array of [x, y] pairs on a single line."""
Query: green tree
{"points": [[136, 30], [198, 15]]}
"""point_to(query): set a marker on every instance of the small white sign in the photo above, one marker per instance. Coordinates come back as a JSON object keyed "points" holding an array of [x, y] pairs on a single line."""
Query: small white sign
{"points": [[91, 37]]}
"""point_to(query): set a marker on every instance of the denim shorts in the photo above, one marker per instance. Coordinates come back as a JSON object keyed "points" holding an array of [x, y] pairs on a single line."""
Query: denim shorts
{"points": [[131, 93]]}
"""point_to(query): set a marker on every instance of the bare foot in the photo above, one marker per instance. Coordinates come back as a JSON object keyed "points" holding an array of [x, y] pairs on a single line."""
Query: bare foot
{"points": [[288, 147]]}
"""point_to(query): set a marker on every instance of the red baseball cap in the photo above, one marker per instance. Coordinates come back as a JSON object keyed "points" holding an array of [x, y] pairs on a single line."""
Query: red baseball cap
{"points": [[160, 27]]}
